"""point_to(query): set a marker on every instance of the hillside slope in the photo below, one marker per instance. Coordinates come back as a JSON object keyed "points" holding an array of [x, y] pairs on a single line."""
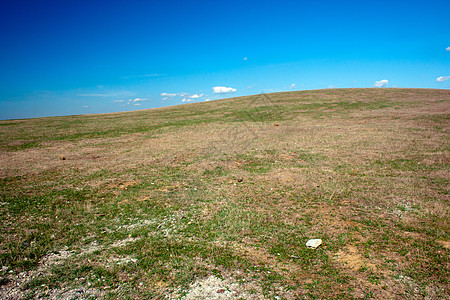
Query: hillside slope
{"points": [[219, 198]]}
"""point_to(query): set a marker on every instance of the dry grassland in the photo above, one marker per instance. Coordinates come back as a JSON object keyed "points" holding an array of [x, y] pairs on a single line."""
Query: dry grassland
{"points": [[217, 200]]}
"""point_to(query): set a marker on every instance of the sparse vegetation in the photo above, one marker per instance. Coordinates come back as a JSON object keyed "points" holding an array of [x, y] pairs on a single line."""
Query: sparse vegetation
{"points": [[155, 203]]}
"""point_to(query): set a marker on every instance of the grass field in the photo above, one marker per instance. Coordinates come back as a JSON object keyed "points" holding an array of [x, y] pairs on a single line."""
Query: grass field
{"points": [[218, 199]]}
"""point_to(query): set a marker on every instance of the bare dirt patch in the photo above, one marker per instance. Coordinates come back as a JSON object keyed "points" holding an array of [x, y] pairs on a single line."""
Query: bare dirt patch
{"points": [[352, 259]]}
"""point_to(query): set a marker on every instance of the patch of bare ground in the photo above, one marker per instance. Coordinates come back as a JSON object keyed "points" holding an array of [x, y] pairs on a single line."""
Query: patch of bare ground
{"points": [[217, 288], [445, 244], [353, 260], [16, 288]]}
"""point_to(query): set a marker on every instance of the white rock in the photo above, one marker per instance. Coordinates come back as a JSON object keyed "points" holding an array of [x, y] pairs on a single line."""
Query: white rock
{"points": [[314, 243]]}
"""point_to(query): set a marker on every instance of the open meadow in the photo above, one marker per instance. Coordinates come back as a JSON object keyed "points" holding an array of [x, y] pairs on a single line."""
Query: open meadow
{"points": [[218, 199]]}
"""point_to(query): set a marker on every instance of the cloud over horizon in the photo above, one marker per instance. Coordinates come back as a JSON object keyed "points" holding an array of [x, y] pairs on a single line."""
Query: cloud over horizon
{"points": [[134, 101], [195, 96], [168, 95], [442, 78], [381, 83], [223, 90], [140, 99]]}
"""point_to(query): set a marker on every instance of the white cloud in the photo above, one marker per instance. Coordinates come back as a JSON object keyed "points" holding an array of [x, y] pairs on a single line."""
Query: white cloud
{"points": [[168, 95], [118, 101], [139, 99], [85, 106], [289, 87], [447, 49], [186, 100], [245, 58], [207, 100], [381, 83], [442, 78], [195, 96], [183, 94], [223, 90], [133, 101]]}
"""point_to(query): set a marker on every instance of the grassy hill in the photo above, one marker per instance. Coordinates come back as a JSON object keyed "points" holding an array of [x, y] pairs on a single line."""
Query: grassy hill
{"points": [[219, 198]]}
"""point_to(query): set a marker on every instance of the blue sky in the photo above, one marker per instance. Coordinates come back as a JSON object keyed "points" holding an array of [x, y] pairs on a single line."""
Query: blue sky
{"points": [[78, 57]]}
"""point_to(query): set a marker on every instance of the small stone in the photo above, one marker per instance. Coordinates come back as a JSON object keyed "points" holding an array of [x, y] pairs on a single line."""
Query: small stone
{"points": [[62, 157], [314, 243], [221, 291], [240, 180]]}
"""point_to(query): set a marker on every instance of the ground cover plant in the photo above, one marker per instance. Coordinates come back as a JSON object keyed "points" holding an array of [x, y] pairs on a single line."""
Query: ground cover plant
{"points": [[218, 199]]}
